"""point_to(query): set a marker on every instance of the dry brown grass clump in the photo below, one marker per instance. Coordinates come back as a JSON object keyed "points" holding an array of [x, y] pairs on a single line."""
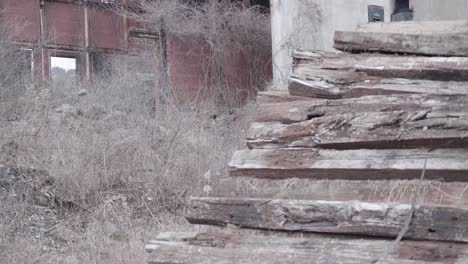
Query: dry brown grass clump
{"points": [[107, 168]]}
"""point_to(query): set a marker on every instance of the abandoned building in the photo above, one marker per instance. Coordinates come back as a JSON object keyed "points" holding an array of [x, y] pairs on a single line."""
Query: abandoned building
{"points": [[83, 30], [89, 32], [310, 24]]}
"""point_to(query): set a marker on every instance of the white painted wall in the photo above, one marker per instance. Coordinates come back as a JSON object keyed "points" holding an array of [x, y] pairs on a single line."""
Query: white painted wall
{"points": [[310, 24], [440, 9]]}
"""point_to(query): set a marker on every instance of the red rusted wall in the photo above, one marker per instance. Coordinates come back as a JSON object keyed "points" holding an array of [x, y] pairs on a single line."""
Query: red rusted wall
{"points": [[139, 44], [189, 71], [26, 13], [243, 75], [131, 22], [188, 68], [37, 64], [106, 29], [237, 75], [64, 24], [136, 43]]}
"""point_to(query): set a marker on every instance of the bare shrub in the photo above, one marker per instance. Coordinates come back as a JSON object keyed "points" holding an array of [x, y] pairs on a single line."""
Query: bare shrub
{"points": [[15, 71], [228, 29]]}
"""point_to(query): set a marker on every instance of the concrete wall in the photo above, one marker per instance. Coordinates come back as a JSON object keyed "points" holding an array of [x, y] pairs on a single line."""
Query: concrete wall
{"points": [[440, 9], [310, 24]]}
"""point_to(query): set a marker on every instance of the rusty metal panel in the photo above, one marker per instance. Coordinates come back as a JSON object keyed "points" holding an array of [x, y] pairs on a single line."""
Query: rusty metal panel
{"points": [[236, 76], [135, 23], [139, 44], [64, 24], [26, 12], [188, 67], [37, 64], [106, 29], [141, 36]]}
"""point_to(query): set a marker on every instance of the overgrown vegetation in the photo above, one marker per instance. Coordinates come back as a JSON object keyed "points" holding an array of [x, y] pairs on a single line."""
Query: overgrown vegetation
{"points": [[89, 172], [227, 30]]}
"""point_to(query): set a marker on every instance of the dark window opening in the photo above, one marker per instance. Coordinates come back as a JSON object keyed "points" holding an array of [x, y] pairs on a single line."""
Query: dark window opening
{"points": [[26, 65], [376, 13], [17, 75], [402, 11], [195, 2], [102, 65], [264, 4], [402, 6], [24, 72]]}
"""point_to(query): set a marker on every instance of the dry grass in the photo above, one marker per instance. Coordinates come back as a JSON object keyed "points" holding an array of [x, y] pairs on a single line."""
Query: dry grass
{"points": [[121, 169], [90, 172]]}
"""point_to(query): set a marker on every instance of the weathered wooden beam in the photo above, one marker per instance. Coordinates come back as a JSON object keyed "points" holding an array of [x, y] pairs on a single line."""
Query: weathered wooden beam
{"points": [[436, 44], [434, 128], [417, 27], [444, 164], [277, 97], [288, 112], [429, 192], [331, 84], [208, 248], [439, 38], [386, 66], [333, 217]]}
